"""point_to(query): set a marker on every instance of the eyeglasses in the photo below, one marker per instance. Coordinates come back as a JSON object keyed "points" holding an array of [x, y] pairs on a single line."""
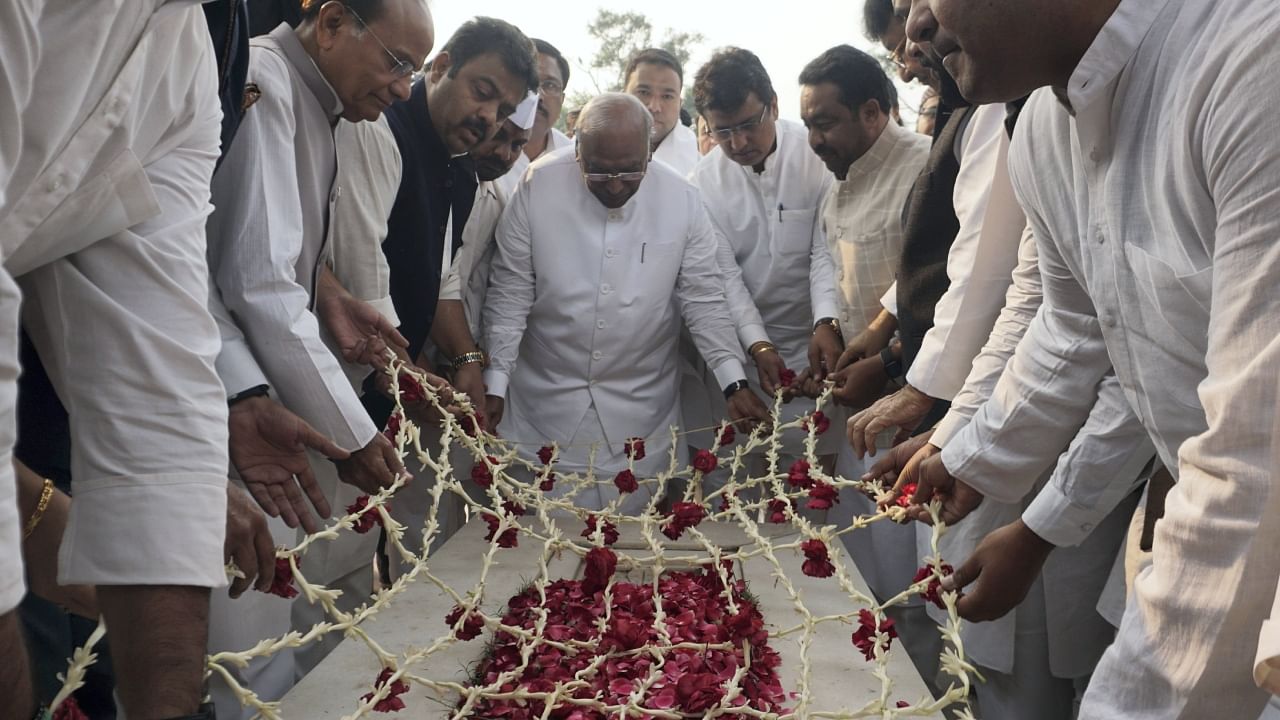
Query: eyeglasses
{"points": [[896, 57], [726, 134], [399, 68], [633, 176], [551, 87]]}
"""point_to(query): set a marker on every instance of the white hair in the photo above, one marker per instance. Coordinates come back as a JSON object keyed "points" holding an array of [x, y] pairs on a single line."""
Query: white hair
{"points": [[613, 110]]}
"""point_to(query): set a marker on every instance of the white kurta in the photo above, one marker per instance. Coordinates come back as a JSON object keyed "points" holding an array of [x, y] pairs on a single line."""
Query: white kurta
{"points": [[1154, 210], [509, 181], [103, 226], [468, 278], [274, 195], [679, 149], [583, 311], [779, 273]]}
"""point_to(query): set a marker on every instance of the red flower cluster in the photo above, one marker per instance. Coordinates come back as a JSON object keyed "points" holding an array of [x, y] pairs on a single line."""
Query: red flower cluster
{"points": [[282, 583], [634, 448], [511, 507], [683, 515], [393, 426], [704, 461], [545, 453], [864, 638], [727, 435], [798, 475], [933, 591], [822, 496], [821, 423], [626, 481], [480, 473], [601, 562], [509, 537], [904, 499], [411, 391], [817, 563], [548, 483], [471, 426], [470, 628], [777, 511], [365, 522], [692, 681], [787, 377], [392, 702], [609, 530], [69, 710]]}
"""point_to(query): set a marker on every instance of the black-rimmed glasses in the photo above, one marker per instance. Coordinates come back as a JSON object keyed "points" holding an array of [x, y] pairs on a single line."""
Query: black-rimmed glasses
{"points": [[726, 134]]}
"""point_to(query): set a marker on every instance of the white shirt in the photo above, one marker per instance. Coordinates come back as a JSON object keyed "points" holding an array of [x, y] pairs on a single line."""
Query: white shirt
{"points": [[679, 149], [468, 278], [509, 181], [580, 309], [980, 260], [862, 221], [774, 241], [1154, 207], [274, 195]]}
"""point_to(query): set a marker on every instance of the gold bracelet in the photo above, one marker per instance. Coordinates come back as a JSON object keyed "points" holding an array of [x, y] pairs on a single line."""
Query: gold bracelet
{"points": [[466, 358], [46, 493], [761, 346]]}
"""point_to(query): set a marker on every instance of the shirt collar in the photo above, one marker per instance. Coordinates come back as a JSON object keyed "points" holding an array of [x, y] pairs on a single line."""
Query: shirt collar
{"points": [[422, 125], [1112, 49], [875, 157], [285, 37]]}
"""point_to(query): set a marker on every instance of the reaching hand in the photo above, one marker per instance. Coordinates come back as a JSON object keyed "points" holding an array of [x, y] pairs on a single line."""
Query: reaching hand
{"points": [[1005, 564], [362, 334], [493, 407], [903, 410], [824, 351], [248, 543], [269, 449], [859, 384], [469, 379], [931, 477], [886, 470], [865, 344], [746, 406], [373, 467], [770, 366]]}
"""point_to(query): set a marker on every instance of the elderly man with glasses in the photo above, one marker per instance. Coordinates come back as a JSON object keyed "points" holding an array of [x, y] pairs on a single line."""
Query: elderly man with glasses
{"points": [[600, 253]]}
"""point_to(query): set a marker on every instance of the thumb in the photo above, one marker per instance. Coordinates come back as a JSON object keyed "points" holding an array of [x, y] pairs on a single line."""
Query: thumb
{"points": [[964, 575], [390, 333], [309, 437]]}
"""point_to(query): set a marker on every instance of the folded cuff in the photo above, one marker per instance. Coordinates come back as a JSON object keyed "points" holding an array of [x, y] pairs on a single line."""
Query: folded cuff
{"points": [[951, 424], [729, 371], [495, 383], [238, 368], [149, 530], [1055, 518], [752, 334]]}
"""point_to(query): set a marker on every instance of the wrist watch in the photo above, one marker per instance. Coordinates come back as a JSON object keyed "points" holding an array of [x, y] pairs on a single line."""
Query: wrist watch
{"points": [[255, 391], [892, 365], [734, 387]]}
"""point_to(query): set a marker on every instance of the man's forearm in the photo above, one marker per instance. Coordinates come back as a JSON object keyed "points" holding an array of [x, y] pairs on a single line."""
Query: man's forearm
{"points": [[16, 697], [450, 331], [159, 634]]}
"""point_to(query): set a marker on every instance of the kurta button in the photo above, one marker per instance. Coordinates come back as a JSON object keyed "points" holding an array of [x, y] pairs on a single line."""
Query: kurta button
{"points": [[1108, 319], [55, 183], [606, 288], [596, 355], [600, 324], [609, 252]]}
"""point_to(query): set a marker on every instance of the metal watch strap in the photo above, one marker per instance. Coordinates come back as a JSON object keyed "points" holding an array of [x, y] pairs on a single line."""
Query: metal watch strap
{"points": [[735, 387]]}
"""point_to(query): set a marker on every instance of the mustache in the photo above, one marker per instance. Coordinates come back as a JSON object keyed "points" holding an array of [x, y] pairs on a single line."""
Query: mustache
{"points": [[480, 126]]}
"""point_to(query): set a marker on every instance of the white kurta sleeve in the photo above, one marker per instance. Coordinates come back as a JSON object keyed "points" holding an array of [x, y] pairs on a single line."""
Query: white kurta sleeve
{"points": [[511, 292], [889, 301], [824, 294], [749, 324], [700, 292], [237, 367], [254, 243], [369, 171]]}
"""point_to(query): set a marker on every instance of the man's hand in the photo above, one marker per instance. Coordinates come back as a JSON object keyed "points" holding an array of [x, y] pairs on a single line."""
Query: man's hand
{"points": [[886, 470], [824, 351], [493, 407], [931, 477], [770, 366], [469, 379], [362, 334], [269, 449], [40, 550], [747, 407], [903, 410], [248, 543], [1004, 564], [373, 467], [859, 384], [867, 343]]}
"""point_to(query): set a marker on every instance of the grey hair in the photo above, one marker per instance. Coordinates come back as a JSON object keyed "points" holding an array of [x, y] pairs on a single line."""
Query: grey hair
{"points": [[610, 110]]}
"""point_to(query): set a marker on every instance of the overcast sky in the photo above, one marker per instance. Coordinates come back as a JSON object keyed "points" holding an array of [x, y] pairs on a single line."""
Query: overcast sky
{"points": [[785, 35]]}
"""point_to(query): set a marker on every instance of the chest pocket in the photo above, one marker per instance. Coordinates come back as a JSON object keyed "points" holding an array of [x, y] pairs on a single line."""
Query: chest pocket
{"points": [[794, 235], [1175, 310]]}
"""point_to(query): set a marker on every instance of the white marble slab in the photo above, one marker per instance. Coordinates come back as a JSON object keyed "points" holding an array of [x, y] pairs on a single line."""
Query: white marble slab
{"points": [[840, 677]]}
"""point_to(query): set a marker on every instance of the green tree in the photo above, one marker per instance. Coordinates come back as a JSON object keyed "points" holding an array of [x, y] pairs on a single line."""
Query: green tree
{"points": [[620, 35]]}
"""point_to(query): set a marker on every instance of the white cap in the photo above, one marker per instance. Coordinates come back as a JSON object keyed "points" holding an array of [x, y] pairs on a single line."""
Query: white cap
{"points": [[525, 112]]}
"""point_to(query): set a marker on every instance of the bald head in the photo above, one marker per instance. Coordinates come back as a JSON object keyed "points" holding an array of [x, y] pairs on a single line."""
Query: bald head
{"points": [[614, 120]]}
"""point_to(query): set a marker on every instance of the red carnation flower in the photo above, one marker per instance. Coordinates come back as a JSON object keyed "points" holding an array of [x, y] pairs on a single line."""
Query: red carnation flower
{"points": [[548, 483], [470, 628], [393, 426], [365, 522], [625, 633], [904, 499], [509, 537], [69, 710], [798, 475], [626, 481], [787, 377], [821, 423], [822, 496], [634, 448], [471, 425], [683, 515], [480, 473], [933, 591], [902, 704], [777, 511], [600, 565], [411, 391], [704, 461], [865, 637], [282, 583], [545, 453], [727, 435], [698, 692], [511, 507], [609, 530], [817, 563], [392, 702]]}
